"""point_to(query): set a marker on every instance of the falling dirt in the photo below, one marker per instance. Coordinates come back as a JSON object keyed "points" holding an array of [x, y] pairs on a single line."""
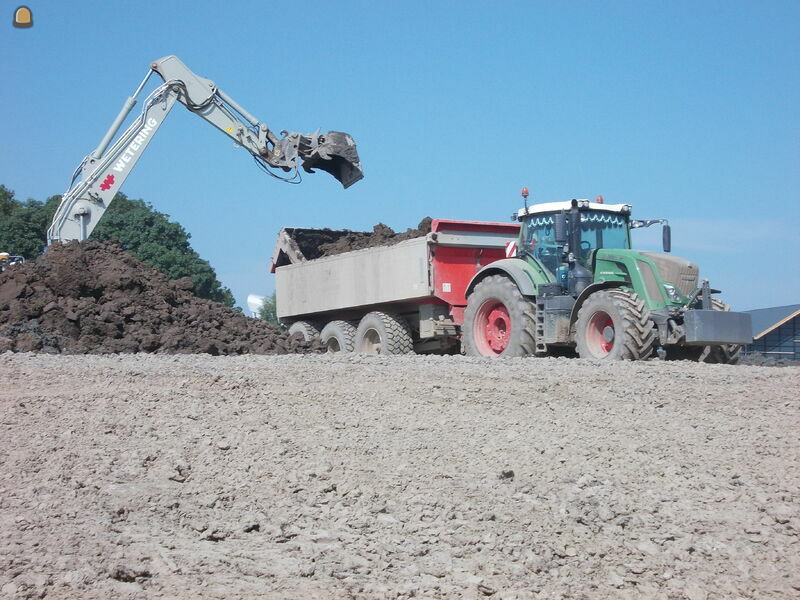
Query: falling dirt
{"points": [[316, 243], [324, 477], [94, 297]]}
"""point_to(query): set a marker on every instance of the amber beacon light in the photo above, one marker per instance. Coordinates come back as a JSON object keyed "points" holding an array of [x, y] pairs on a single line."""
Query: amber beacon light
{"points": [[23, 17]]}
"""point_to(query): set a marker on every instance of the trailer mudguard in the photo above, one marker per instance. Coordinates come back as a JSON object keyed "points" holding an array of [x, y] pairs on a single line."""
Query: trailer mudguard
{"points": [[527, 274]]}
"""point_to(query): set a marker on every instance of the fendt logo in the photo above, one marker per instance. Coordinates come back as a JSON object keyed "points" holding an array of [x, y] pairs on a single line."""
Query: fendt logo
{"points": [[134, 146]]}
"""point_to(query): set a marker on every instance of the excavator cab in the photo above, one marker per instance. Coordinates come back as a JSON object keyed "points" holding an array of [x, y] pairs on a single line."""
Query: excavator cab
{"points": [[335, 153], [6, 260]]}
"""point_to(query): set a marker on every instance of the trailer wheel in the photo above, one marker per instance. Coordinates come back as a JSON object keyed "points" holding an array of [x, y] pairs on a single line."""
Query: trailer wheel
{"points": [[614, 325], [499, 320], [725, 354], [306, 329], [338, 336], [383, 333]]}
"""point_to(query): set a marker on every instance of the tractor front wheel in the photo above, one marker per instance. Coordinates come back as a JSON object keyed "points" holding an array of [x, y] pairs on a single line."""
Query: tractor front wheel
{"points": [[614, 325], [499, 320]]}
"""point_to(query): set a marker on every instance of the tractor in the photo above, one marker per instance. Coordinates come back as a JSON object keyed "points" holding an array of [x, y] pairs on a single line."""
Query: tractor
{"points": [[573, 283]]}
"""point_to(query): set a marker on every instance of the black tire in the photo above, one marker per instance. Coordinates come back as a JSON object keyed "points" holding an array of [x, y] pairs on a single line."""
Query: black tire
{"points": [[614, 325], [383, 333], [308, 330], [499, 320], [338, 336], [725, 354]]}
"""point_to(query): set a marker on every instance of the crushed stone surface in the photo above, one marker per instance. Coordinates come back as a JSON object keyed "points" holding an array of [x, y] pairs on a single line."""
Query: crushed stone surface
{"points": [[311, 476], [93, 297]]}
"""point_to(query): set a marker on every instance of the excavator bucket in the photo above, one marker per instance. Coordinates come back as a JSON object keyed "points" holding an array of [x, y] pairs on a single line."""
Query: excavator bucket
{"points": [[334, 152]]}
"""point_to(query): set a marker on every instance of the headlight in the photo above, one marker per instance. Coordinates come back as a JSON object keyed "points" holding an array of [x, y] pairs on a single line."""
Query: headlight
{"points": [[673, 293]]}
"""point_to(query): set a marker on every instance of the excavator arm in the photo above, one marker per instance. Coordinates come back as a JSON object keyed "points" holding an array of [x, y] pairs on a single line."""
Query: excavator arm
{"points": [[101, 174]]}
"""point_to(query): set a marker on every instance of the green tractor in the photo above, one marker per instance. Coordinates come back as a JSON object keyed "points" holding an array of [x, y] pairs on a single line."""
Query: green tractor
{"points": [[576, 284]]}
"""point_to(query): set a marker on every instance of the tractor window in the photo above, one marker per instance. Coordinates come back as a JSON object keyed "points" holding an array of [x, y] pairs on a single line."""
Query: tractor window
{"points": [[540, 241], [601, 229]]}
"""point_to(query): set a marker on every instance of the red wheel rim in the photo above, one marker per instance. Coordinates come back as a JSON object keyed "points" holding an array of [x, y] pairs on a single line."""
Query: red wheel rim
{"points": [[600, 334], [492, 328]]}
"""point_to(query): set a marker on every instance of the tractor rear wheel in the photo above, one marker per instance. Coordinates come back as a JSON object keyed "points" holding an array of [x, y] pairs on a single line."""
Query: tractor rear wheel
{"points": [[725, 354], [308, 330], [499, 320], [383, 333], [614, 324], [338, 336]]}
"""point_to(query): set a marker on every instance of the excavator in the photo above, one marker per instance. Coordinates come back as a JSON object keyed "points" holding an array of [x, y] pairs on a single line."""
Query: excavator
{"points": [[100, 175], [7, 260]]}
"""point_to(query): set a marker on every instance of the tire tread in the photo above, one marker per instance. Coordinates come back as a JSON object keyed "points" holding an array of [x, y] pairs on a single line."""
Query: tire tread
{"points": [[639, 329], [399, 338]]}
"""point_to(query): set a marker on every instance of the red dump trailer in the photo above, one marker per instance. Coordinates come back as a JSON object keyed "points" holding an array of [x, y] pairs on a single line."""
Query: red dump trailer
{"points": [[409, 296]]}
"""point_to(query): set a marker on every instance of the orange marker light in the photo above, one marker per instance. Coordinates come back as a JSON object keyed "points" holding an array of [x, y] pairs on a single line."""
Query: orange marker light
{"points": [[524, 192], [599, 199], [23, 18]]}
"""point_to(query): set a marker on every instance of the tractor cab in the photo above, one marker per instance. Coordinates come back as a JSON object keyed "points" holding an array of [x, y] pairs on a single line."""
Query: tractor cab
{"points": [[548, 235], [564, 236]]}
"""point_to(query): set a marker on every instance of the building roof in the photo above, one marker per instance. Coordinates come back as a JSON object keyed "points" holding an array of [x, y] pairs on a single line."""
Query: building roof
{"points": [[767, 319]]}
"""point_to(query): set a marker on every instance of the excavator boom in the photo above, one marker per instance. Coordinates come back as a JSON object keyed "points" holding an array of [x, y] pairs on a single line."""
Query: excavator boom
{"points": [[101, 174]]}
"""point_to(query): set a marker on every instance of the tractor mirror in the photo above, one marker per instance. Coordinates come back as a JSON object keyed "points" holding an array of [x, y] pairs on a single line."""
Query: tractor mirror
{"points": [[560, 228], [666, 238]]}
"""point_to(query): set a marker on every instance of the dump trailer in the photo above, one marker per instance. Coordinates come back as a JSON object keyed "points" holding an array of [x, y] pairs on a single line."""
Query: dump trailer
{"points": [[564, 279], [409, 296]]}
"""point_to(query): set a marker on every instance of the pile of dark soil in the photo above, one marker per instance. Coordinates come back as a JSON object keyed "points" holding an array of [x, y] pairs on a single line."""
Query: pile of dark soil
{"points": [[316, 243], [94, 297]]}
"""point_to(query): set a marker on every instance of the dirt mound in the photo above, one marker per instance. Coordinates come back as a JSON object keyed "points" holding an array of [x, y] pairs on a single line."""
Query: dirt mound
{"points": [[316, 243], [94, 297]]}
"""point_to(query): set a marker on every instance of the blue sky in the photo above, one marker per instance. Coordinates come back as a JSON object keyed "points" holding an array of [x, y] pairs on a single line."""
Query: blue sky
{"points": [[686, 110]]}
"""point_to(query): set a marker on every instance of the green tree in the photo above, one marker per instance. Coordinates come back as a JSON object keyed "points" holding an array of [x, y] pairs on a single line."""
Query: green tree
{"points": [[23, 225], [160, 243], [268, 311]]}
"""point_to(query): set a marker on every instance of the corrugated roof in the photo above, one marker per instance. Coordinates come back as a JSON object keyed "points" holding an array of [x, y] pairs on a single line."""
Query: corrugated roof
{"points": [[766, 319]]}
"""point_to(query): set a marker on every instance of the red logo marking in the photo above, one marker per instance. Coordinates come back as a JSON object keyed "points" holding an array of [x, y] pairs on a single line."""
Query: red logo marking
{"points": [[107, 183]]}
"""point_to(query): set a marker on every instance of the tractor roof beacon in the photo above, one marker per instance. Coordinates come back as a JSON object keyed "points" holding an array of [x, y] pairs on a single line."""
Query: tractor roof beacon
{"points": [[577, 283]]}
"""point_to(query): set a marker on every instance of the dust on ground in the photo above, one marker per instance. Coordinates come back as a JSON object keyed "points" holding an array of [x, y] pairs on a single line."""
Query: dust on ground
{"points": [[311, 476], [93, 297]]}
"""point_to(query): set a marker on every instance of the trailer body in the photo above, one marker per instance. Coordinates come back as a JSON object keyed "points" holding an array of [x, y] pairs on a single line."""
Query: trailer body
{"points": [[422, 280]]}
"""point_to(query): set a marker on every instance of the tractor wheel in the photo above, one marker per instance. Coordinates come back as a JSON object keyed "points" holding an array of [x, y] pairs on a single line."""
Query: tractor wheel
{"points": [[383, 333], [338, 336], [725, 354], [306, 329], [614, 325], [499, 320]]}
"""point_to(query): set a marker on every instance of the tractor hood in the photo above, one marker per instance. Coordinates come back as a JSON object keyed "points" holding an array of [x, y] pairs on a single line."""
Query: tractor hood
{"points": [[681, 273]]}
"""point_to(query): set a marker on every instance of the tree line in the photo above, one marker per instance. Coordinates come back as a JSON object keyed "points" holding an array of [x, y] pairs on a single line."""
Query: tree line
{"points": [[146, 233]]}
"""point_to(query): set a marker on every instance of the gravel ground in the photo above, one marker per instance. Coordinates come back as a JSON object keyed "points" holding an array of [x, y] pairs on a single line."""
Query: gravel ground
{"points": [[145, 476]]}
